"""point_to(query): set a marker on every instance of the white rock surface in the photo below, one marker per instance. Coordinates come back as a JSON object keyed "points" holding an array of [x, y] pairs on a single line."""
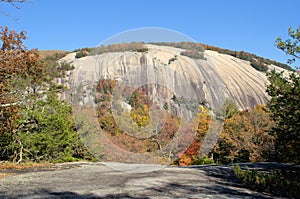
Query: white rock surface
{"points": [[214, 80]]}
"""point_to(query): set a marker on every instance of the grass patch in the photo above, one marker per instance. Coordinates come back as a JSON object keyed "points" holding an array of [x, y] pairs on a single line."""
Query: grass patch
{"points": [[12, 167], [24, 165]]}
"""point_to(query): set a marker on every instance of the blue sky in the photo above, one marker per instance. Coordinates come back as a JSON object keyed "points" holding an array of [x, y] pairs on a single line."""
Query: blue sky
{"points": [[249, 25]]}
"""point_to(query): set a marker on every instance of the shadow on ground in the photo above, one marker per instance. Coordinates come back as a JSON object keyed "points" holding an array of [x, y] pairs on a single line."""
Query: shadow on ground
{"points": [[170, 190], [45, 193], [226, 185], [219, 183]]}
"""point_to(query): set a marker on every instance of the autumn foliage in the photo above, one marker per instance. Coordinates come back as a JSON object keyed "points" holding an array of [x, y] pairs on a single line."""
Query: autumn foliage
{"points": [[135, 136], [34, 124], [15, 61], [245, 137], [192, 153]]}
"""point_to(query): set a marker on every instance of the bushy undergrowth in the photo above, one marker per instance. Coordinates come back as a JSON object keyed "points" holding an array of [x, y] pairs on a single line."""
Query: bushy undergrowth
{"points": [[193, 53], [257, 62], [183, 45], [193, 50], [123, 47], [203, 160], [278, 182]]}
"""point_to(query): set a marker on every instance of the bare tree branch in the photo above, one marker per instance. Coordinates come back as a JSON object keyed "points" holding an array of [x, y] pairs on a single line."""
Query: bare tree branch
{"points": [[12, 3]]}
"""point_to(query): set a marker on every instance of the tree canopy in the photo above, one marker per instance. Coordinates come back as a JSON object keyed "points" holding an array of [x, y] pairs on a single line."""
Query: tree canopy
{"points": [[285, 103], [34, 124], [291, 45]]}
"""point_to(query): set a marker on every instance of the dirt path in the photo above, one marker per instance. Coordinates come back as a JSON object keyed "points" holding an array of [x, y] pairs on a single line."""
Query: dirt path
{"points": [[116, 180]]}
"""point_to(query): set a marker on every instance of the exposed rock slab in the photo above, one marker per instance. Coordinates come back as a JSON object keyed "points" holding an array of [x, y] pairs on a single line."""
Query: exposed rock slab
{"points": [[213, 80], [94, 180]]}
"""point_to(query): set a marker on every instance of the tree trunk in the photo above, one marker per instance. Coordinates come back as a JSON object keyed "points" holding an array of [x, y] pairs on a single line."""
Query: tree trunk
{"points": [[20, 153]]}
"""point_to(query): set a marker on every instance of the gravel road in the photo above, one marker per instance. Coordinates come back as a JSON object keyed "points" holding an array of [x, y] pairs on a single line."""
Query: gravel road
{"points": [[118, 180]]}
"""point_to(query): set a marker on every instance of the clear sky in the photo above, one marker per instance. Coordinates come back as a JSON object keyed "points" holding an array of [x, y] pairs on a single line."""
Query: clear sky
{"points": [[249, 25]]}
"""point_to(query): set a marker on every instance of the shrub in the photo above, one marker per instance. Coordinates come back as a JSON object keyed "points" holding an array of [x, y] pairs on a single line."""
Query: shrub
{"points": [[65, 66], [192, 53], [259, 66], [247, 56], [172, 59], [80, 54], [133, 46], [141, 50], [203, 160], [183, 45], [278, 182], [83, 52]]}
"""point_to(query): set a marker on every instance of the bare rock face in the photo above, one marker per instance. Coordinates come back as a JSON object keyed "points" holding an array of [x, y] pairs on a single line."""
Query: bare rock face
{"points": [[209, 81]]}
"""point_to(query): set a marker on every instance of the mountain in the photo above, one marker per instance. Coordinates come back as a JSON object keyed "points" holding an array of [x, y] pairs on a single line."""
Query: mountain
{"points": [[154, 93], [210, 80]]}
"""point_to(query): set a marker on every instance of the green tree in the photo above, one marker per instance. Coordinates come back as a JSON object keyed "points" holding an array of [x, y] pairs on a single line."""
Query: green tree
{"points": [[47, 131], [21, 73], [290, 46], [228, 110], [285, 111], [34, 124], [285, 103]]}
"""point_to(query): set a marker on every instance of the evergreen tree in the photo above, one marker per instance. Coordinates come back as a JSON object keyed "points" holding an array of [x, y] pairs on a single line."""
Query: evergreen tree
{"points": [[285, 111], [34, 123], [285, 102]]}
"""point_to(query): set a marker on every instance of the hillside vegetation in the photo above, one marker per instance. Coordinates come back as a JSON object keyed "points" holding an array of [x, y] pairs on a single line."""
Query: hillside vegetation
{"points": [[52, 53], [192, 50], [257, 62]]}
